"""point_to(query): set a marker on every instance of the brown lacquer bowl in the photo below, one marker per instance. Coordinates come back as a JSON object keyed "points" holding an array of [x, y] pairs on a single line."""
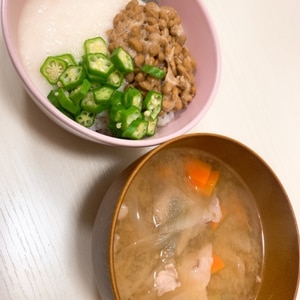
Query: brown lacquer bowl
{"points": [[281, 238]]}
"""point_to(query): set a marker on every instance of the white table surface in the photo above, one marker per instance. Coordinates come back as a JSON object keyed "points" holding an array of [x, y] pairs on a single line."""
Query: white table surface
{"points": [[51, 182]]}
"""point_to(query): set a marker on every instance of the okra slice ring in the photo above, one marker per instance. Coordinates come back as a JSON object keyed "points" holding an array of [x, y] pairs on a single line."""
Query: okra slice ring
{"points": [[133, 97], [115, 79], [85, 118], [68, 58], [153, 103], [117, 98], [96, 45], [115, 113], [153, 71], [66, 102], [72, 77], [53, 98], [127, 116], [136, 130], [152, 125], [52, 68], [89, 104], [99, 65], [122, 60], [77, 94], [103, 95]]}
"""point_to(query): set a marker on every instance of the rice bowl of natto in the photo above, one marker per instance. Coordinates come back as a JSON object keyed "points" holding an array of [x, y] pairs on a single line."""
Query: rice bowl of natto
{"points": [[201, 41]]}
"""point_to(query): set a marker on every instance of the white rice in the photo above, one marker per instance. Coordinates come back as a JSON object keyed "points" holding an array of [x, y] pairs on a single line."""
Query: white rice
{"points": [[166, 118], [54, 27]]}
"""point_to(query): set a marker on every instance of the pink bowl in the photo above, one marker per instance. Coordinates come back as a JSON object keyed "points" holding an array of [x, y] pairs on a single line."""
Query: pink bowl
{"points": [[201, 40]]}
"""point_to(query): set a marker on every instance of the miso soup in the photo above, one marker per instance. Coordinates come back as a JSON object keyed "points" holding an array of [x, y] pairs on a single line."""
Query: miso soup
{"points": [[188, 229]]}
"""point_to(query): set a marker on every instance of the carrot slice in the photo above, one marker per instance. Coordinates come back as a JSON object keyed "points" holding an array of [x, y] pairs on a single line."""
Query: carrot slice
{"points": [[198, 172], [217, 264], [211, 182], [201, 176]]}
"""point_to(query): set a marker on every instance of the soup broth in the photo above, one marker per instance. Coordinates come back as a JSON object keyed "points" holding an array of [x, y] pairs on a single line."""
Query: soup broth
{"points": [[177, 239]]}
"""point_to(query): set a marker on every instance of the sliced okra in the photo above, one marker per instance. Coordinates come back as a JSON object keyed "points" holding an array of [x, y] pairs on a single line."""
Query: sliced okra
{"points": [[122, 60]]}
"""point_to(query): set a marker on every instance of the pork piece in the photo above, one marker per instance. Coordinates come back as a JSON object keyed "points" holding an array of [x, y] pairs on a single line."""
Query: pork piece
{"points": [[214, 211], [194, 272], [166, 280]]}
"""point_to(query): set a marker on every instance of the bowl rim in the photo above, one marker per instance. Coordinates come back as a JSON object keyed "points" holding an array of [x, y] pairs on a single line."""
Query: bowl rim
{"points": [[140, 163], [87, 133]]}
